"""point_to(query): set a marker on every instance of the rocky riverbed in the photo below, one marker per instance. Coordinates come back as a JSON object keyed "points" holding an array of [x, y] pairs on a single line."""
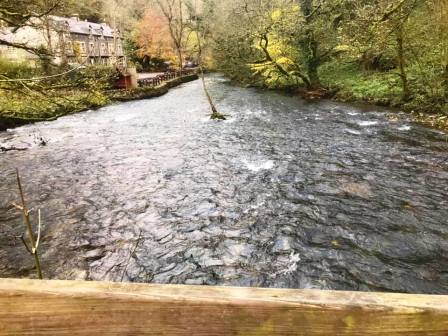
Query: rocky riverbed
{"points": [[283, 194]]}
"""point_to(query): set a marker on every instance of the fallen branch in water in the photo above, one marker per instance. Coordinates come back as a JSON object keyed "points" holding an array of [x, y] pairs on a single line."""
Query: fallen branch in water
{"points": [[33, 245], [215, 114], [8, 149]]}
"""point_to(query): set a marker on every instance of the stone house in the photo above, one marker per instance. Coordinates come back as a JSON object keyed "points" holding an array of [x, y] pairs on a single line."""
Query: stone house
{"points": [[70, 40]]}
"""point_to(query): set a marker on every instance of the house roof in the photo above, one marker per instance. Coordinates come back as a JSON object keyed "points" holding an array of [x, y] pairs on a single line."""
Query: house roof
{"points": [[6, 34], [77, 26]]}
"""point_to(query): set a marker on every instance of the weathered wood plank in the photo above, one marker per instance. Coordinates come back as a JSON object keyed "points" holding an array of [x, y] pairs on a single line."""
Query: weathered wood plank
{"points": [[29, 307]]}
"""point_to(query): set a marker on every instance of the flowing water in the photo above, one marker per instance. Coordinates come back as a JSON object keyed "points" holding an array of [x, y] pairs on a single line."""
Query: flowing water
{"points": [[283, 194]]}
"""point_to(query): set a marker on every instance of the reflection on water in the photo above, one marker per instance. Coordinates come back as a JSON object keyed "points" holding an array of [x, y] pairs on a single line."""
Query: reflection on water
{"points": [[284, 194]]}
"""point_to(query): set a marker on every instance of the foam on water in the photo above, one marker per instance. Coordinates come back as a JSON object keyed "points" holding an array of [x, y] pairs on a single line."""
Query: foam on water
{"points": [[352, 131], [258, 166], [367, 123], [124, 117]]}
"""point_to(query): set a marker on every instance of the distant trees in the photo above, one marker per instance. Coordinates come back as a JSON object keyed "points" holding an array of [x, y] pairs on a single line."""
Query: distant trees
{"points": [[438, 17], [281, 40], [295, 43], [318, 36], [124, 14], [248, 43], [90, 10], [174, 13], [171, 28], [153, 36], [120, 16], [385, 27], [406, 38]]}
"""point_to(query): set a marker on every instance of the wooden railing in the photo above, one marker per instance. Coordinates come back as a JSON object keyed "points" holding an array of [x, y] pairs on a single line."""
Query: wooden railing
{"points": [[166, 76], [31, 307]]}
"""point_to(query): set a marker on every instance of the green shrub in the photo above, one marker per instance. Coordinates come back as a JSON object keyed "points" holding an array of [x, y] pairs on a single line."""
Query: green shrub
{"points": [[353, 83], [17, 70], [98, 77]]}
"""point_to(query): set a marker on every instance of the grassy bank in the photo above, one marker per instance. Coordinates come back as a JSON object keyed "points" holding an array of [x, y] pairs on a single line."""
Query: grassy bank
{"points": [[349, 83], [19, 107]]}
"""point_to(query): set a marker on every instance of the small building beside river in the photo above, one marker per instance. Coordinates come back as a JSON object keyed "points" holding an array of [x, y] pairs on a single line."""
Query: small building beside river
{"points": [[68, 40]]}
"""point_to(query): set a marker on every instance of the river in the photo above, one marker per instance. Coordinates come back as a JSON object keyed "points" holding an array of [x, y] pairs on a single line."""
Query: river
{"points": [[285, 193]]}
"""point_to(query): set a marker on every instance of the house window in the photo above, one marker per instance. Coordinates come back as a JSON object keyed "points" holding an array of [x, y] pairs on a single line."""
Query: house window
{"points": [[111, 48], [69, 46], [91, 47], [103, 48], [83, 47]]}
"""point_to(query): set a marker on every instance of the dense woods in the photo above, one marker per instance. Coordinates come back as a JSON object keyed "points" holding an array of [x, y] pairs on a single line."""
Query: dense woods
{"points": [[387, 52], [391, 53]]}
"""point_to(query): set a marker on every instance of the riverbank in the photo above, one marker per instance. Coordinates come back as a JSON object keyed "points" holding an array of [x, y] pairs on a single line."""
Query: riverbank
{"points": [[26, 109], [349, 82], [346, 82]]}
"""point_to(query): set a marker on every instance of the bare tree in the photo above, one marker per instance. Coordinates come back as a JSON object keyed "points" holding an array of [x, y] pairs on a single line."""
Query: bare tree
{"points": [[33, 245], [173, 11]]}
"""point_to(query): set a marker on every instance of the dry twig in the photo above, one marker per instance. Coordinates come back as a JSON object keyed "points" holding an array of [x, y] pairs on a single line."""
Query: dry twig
{"points": [[33, 245], [131, 254]]}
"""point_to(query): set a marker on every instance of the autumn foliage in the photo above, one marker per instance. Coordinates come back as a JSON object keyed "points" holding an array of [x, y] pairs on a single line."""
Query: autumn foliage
{"points": [[153, 36]]}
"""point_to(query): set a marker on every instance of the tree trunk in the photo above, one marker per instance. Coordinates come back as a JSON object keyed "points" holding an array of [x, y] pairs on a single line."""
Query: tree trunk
{"points": [[313, 75], [179, 38], [309, 46], [215, 114], [401, 64], [445, 81], [180, 59], [49, 40]]}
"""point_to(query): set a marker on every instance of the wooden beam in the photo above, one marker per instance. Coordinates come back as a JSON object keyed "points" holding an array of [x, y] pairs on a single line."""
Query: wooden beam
{"points": [[31, 307]]}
